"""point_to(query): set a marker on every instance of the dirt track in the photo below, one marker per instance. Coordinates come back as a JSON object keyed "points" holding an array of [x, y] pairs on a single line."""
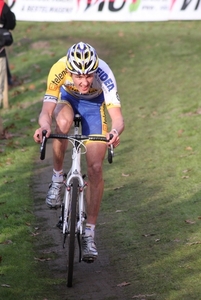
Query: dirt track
{"points": [[95, 281]]}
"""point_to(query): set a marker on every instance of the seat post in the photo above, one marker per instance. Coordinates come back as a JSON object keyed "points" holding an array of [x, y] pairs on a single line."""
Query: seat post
{"points": [[77, 120]]}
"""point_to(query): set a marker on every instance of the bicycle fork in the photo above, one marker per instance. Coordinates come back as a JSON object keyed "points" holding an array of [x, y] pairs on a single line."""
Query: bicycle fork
{"points": [[66, 207]]}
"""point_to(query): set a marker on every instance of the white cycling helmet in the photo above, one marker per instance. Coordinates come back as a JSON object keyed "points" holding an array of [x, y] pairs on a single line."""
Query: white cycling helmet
{"points": [[82, 59]]}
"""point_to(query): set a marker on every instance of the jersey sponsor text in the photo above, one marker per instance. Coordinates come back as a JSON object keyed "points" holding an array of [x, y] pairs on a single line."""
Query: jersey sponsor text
{"points": [[58, 77], [105, 78]]}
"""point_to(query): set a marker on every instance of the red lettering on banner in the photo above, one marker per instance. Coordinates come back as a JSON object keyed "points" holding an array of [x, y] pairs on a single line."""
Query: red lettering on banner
{"points": [[172, 4]]}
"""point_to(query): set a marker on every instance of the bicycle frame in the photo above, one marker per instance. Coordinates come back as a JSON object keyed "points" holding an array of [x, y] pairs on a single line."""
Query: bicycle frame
{"points": [[75, 172]]}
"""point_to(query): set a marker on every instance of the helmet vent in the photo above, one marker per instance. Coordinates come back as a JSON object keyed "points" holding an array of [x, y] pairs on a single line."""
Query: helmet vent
{"points": [[78, 55], [86, 55], [87, 65]]}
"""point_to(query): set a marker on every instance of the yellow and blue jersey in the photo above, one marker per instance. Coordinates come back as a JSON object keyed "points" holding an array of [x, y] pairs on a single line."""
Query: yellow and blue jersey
{"points": [[104, 83]]}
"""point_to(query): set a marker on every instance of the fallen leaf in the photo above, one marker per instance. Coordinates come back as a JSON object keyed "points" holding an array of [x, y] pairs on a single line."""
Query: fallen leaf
{"points": [[125, 175], [37, 67], [185, 171], [32, 87], [189, 222], [42, 258], [9, 161], [6, 242], [5, 285], [194, 243], [12, 66], [118, 211], [120, 34], [118, 187], [8, 181], [176, 240], [180, 132], [124, 70], [148, 234], [123, 284], [35, 233], [143, 296], [198, 111]]}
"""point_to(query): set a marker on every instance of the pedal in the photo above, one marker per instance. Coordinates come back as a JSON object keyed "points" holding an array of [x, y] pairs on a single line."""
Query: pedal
{"points": [[89, 260], [60, 223]]}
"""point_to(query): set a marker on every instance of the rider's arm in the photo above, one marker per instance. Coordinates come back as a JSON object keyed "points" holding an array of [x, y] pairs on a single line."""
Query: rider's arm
{"points": [[54, 82], [45, 121], [112, 100], [117, 119], [117, 124], [45, 117]]}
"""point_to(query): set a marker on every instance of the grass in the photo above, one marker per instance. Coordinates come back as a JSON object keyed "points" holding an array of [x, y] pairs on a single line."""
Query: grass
{"points": [[152, 194]]}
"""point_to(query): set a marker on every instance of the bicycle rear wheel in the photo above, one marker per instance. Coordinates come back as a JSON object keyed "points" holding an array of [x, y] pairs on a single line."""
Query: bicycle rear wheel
{"points": [[72, 224]]}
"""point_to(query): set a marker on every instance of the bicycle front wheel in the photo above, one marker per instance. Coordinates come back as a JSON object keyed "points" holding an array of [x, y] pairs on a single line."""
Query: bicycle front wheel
{"points": [[72, 225]]}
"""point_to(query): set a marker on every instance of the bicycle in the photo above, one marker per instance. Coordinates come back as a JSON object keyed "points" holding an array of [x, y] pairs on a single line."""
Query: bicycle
{"points": [[73, 215]]}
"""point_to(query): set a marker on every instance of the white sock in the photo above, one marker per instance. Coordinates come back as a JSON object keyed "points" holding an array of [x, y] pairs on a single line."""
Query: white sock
{"points": [[57, 176], [89, 230]]}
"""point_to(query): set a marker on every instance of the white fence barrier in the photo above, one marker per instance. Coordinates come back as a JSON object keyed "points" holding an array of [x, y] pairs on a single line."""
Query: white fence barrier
{"points": [[106, 10]]}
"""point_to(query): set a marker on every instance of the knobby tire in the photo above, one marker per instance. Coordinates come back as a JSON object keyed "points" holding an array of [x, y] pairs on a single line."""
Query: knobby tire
{"points": [[72, 220]]}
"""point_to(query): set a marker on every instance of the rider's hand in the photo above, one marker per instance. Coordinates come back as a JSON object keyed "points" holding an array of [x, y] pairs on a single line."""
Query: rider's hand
{"points": [[38, 137], [115, 141]]}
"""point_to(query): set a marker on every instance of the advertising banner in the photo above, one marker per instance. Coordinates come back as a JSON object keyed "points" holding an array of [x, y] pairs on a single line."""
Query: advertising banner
{"points": [[185, 10], [105, 10], [90, 10]]}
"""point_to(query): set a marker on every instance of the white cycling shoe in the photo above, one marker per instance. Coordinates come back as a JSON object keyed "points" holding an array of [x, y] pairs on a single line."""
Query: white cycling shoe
{"points": [[89, 250], [54, 195]]}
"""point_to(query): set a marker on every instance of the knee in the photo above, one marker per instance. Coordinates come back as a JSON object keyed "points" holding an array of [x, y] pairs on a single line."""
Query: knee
{"points": [[95, 170], [63, 125]]}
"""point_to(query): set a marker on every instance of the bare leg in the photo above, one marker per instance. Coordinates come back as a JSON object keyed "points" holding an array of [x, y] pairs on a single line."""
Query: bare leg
{"points": [[95, 156], [64, 117]]}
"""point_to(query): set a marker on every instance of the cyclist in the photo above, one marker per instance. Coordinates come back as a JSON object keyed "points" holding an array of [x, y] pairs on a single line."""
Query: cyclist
{"points": [[81, 83]]}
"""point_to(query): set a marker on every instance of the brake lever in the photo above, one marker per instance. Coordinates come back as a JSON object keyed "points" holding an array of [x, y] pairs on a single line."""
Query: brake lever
{"points": [[110, 150], [43, 145]]}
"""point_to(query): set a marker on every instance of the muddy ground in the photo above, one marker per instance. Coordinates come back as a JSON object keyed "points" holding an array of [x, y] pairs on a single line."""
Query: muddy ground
{"points": [[96, 281]]}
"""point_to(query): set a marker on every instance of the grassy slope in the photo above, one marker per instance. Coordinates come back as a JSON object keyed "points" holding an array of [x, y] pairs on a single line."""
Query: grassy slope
{"points": [[158, 71], [160, 153]]}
